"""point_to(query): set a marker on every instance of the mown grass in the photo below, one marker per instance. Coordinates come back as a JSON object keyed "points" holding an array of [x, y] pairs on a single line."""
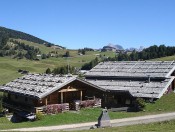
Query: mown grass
{"points": [[168, 58], [165, 104], [87, 115]]}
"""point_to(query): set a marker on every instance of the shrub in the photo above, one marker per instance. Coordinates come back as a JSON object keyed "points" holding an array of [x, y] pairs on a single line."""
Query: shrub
{"points": [[48, 71], [39, 116], [140, 104]]}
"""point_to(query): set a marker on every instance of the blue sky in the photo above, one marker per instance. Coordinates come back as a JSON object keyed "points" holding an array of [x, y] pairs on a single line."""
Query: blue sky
{"points": [[93, 23]]}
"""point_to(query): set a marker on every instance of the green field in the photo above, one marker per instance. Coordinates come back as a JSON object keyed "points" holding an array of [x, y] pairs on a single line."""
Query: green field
{"points": [[9, 66], [168, 58]]}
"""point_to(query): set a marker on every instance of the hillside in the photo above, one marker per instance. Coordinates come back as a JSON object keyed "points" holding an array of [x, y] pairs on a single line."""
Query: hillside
{"points": [[9, 67], [44, 49], [16, 44], [167, 58], [21, 35]]}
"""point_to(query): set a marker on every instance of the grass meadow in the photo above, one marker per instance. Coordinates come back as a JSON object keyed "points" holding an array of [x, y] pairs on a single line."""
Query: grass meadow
{"points": [[9, 67]]}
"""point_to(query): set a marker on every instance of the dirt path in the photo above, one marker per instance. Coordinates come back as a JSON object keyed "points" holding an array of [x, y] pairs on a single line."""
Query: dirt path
{"points": [[114, 123]]}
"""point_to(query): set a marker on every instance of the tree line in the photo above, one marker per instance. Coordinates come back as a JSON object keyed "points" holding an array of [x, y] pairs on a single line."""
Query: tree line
{"points": [[91, 64], [149, 53], [61, 70]]}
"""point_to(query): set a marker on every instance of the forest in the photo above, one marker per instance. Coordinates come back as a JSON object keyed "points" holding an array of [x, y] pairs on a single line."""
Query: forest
{"points": [[149, 53]]}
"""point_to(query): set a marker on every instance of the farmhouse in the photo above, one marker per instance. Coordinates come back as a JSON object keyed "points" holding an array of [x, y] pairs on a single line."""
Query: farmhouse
{"points": [[33, 92], [125, 81], [109, 84]]}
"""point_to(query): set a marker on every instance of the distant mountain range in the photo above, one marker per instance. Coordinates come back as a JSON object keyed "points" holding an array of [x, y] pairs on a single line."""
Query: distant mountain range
{"points": [[132, 49], [114, 47]]}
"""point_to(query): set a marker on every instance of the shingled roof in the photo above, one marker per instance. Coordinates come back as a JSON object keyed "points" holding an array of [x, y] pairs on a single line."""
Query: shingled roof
{"points": [[133, 69], [133, 77], [36, 85], [153, 89]]}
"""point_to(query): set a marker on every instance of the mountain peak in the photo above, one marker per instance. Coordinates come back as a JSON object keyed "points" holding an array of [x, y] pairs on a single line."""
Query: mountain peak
{"points": [[116, 46]]}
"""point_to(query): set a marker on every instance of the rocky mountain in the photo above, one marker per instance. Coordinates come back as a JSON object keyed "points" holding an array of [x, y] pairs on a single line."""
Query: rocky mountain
{"points": [[113, 47], [118, 47]]}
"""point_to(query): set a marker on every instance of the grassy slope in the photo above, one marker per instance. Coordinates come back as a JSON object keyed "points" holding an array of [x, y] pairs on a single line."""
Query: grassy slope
{"points": [[86, 115], [168, 58], [9, 67], [42, 47]]}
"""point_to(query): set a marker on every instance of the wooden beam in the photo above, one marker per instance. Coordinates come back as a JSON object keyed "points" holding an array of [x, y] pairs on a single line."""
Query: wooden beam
{"points": [[81, 94], [46, 101], [61, 97], [68, 90]]}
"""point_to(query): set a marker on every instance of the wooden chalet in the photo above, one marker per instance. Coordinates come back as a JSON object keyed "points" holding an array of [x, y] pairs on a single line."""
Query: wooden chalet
{"points": [[109, 84], [33, 92]]}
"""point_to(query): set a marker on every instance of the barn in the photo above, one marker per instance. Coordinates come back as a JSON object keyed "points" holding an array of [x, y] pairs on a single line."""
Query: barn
{"points": [[109, 84], [124, 81]]}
